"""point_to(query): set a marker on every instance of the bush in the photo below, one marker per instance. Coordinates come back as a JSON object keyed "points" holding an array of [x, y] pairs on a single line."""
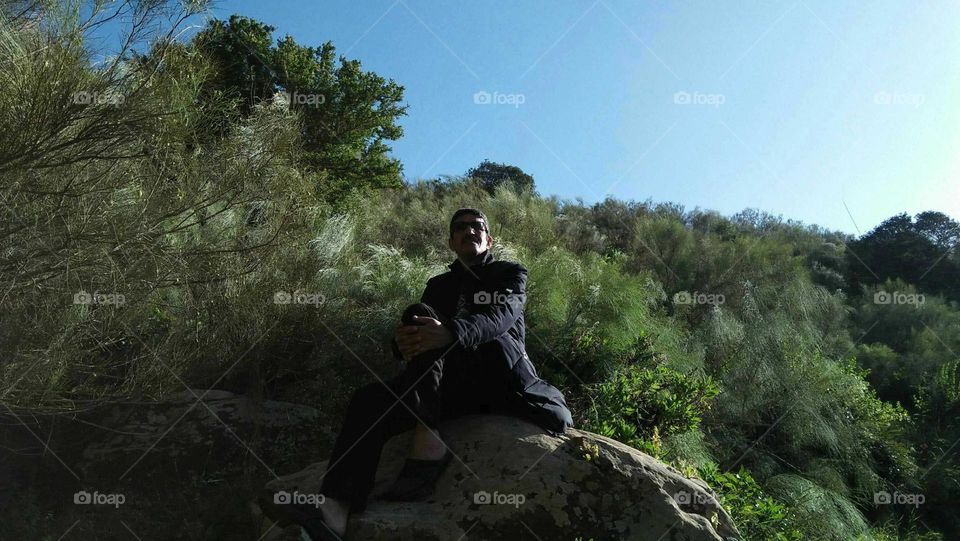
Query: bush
{"points": [[638, 406], [758, 516]]}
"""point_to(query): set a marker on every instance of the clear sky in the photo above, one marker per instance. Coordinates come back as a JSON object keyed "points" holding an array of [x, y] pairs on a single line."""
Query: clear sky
{"points": [[793, 107]]}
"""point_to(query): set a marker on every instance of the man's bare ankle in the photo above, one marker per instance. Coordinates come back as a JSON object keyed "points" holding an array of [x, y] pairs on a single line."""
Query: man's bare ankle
{"points": [[432, 451], [427, 444], [335, 514]]}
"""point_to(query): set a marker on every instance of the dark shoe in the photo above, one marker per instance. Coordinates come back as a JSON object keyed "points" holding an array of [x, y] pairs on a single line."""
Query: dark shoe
{"points": [[308, 517], [417, 479]]}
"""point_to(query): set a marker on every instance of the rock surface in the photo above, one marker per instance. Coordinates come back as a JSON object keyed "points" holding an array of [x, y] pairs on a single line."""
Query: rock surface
{"points": [[185, 430], [511, 480]]}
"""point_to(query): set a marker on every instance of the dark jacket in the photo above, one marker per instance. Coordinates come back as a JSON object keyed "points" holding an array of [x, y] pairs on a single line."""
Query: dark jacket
{"points": [[487, 323]]}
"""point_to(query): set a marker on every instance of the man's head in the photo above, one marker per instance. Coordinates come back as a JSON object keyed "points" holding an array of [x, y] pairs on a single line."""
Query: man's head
{"points": [[469, 233]]}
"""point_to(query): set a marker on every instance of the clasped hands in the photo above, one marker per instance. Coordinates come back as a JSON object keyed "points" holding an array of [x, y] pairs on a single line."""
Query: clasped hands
{"points": [[428, 333]]}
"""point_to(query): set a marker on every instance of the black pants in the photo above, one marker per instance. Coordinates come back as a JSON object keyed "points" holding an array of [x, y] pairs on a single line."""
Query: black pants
{"points": [[433, 387]]}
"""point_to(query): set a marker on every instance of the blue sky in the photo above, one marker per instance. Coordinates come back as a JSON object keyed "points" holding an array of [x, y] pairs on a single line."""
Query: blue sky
{"points": [[792, 107]]}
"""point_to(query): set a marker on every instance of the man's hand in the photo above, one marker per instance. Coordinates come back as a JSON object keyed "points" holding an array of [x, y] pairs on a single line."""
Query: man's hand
{"points": [[426, 334]]}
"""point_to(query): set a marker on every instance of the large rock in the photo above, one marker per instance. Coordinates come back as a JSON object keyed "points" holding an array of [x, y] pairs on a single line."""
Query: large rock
{"points": [[184, 431], [181, 464], [513, 481]]}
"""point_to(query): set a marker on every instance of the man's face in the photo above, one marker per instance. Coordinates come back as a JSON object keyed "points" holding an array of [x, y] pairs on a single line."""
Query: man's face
{"points": [[470, 237]]}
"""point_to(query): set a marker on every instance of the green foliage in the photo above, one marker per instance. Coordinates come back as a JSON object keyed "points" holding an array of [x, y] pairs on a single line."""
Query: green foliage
{"points": [[885, 371], [913, 250], [346, 115], [757, 515], [828, 266], [587, 313], [937, 434], [920, 333], [890, 532], [142, 217], [490, 175], [240, 52], [831, 515], [801, 422], [205, 191], [638, 406]]}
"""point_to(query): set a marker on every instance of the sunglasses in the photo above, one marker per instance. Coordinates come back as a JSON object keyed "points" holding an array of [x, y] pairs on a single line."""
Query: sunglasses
{"points": [[462, 226]]}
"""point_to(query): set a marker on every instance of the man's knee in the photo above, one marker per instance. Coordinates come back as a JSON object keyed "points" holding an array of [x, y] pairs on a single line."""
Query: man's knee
{"points": [[418, 309]]}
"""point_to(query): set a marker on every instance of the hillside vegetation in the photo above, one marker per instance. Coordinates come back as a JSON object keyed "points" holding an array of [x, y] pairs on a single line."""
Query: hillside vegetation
{"points": [[158, 208]]}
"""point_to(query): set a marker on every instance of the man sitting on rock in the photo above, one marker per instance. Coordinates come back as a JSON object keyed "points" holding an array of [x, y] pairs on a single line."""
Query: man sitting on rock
{"points": [[464, 350]]}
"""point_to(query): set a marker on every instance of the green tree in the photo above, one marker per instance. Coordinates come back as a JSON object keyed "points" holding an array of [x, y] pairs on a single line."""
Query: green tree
{"points": [[489, 175], [942, 230], [913, 251], [348, 115], [241, 55]]}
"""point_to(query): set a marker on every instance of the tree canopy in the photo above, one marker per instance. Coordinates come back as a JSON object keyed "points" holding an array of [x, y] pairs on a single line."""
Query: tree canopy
{"points": [[919, 250], [348, 115], [489, 175]]}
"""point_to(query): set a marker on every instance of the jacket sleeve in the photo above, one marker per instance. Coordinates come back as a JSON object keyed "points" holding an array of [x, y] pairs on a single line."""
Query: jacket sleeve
{"points": [[426, 297], [432, 293], [497, 309]]}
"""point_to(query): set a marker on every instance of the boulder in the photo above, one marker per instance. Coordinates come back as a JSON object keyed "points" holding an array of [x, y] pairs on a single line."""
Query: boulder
{"points": [[511, 480], [184, 431]]}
